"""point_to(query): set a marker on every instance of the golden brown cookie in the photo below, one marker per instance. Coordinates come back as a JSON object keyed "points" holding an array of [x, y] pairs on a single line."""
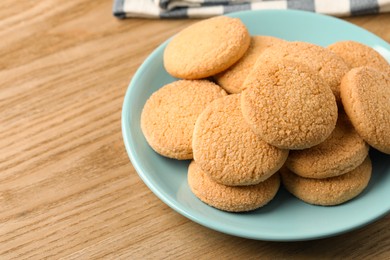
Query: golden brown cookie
{"points": [[356, 54], [365, 94], [328, 65], [169, 115], [206, 48], [329, 191], [227, 149], [232, 79], [341, 152], [229, 198], [287, 104]]}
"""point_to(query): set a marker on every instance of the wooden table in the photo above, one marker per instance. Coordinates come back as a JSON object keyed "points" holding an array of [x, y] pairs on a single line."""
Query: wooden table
{"points": [[67, 187]]}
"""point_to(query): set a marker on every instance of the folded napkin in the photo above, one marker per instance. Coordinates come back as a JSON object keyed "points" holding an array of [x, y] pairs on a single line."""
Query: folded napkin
{"points": [[208, 8]]}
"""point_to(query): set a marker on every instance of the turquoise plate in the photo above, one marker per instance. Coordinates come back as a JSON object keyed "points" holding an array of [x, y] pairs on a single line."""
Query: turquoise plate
{"points": [[285, 218]]}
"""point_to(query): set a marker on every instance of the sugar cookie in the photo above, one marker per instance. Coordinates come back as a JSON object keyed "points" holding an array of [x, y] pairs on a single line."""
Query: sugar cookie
{"points": [[229, 198], [356, 54], [341, 152], [328, 65], [206, 48], [169, 115], [226, 148], [329, 191], [287, 104], [231, 79], [365, 94]]}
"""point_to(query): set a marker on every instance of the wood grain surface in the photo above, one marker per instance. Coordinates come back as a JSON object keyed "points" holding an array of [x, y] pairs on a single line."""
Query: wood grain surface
{"points": [[67, 187]]}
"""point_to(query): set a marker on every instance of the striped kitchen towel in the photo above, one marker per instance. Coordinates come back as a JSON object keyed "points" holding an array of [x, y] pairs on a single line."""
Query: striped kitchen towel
{"points": [[208, 8]]}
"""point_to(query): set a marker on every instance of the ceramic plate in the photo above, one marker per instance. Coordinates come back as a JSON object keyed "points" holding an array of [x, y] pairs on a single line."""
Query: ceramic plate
{"points": [[285, 218]]}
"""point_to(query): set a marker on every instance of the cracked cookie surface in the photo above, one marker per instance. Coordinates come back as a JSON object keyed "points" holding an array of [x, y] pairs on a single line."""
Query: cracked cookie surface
{"points": [[227, 149], [287, 104], [231, 198], [232, 79], [341, 152], [169, 115], [356, 54], [328, 191], [365, 94], [321, 60], [206, 48]]}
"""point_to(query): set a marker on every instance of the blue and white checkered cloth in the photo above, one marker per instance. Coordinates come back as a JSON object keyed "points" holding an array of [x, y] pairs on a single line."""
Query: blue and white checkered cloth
{"points": [[208, 8]]}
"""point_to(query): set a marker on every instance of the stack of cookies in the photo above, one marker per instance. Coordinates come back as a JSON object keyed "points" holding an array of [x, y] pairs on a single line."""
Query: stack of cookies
{"points": [[252, 112]]}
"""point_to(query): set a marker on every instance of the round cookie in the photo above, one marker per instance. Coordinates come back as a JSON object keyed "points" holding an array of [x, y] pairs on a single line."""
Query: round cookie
{"points": [[365, 94], [328, 65], [169, 115], [329, 191], [232, 79], [341, 152], [206, 48], [287, 104], [226, 148], [356, 54], [229, 198]]}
